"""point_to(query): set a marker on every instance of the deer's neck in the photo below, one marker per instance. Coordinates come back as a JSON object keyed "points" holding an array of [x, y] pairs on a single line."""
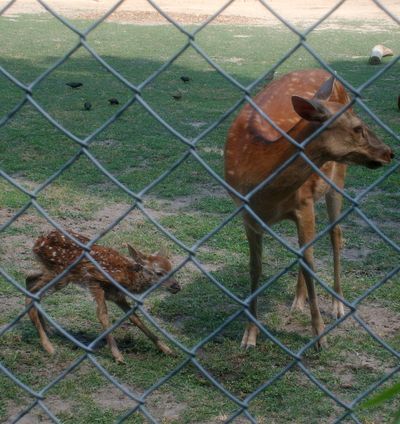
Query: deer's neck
{"points": [[297, 171], [138, 282]]}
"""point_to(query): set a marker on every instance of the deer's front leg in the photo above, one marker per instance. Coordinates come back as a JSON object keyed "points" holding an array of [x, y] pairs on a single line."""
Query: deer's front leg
{"points": [[254, 239], [124, 305], [300, 299], [102, 315], [305, 220], [334, 206]]}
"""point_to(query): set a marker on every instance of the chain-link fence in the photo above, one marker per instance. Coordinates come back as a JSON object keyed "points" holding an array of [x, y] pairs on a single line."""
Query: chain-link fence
{"points": [[191, 355]]}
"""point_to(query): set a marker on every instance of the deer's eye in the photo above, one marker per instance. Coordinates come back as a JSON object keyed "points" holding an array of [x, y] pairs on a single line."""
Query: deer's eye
{"points": [[358, 129]]}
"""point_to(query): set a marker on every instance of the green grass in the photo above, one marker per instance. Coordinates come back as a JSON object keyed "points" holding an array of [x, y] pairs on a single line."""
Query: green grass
{"points": [[189, 203]]}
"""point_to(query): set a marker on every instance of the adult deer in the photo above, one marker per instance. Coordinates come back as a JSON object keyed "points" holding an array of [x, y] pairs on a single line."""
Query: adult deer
{"points": [[136, 273], [299, 103]]}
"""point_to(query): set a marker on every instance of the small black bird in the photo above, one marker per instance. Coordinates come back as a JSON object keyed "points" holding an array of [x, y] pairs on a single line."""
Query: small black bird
{"points": [[113, 101], [87, 105], [177, 95], [398, 102], [74, 84], [185, 79]]}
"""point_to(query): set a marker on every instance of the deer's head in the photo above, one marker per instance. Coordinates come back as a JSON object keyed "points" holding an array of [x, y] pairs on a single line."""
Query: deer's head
{"points": [[347, 139], [155, 266]]}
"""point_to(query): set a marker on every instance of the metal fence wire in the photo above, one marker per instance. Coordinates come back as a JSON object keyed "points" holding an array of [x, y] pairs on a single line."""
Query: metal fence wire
{"points": [[191, 357]]}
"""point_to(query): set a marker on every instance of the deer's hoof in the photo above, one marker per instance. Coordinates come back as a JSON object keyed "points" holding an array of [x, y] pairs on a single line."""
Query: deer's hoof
{"points": [[337, 309], [298, 304], [249, 339], [321, 344], [48, 347]]}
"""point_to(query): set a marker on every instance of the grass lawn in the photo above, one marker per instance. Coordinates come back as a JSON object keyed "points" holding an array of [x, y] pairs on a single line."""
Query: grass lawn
{"points": [[188, 203]]}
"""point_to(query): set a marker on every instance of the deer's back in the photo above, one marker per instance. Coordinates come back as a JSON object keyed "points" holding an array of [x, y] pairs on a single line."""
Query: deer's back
{"points": [[56, 252]]}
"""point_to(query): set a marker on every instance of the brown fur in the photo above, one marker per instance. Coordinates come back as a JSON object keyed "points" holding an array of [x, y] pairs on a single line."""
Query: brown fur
{"points": [[298, 103], [55, 252]]}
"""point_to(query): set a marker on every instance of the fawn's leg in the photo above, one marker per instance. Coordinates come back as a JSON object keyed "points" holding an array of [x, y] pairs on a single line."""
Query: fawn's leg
{"points": [[124, 305], [34, 283], [254, 239], [305, 220], [102, 315], [334, 206]]}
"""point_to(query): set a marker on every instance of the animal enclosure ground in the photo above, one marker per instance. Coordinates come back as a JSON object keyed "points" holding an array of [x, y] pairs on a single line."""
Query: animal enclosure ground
{"points": [[189, 203]]}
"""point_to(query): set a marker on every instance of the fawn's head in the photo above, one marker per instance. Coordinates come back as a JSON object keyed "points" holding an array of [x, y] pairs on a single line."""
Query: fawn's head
{"points": [[157, 266], [347, 139]]}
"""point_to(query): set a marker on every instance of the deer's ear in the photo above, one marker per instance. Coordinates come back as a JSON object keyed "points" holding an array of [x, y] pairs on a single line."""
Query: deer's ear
{"points": [[136, 255], [325, 91], [310, 110]]}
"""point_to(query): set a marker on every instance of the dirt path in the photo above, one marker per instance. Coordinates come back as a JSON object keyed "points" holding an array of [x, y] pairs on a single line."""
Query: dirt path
{"points": [[193, 11]]}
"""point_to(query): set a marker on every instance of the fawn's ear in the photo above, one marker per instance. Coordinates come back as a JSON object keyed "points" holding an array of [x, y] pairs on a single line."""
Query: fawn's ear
{"points": [[136, 255]]}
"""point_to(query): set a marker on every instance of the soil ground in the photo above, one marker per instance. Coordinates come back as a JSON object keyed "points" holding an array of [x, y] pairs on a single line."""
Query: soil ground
{"points": [[195, 11]]}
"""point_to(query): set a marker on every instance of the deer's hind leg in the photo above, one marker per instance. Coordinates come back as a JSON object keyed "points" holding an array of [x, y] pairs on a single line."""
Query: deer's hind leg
{"points": [[34, 283], [255, 241]]}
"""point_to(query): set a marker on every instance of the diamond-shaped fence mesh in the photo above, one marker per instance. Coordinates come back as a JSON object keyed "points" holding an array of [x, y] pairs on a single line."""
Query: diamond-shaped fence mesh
{"points": [[275, 359]]}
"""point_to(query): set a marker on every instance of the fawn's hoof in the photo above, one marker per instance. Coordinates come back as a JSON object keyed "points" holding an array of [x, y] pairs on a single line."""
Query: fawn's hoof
{"points": [[119, 360], [165, 349]]}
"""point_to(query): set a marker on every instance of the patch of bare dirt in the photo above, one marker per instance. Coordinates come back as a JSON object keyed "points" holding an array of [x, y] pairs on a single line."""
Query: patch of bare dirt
{"points": [[382, 321], [162, 406], [11, 302], [346, 371], [154, 18], [37, 415], [165, 407], [352, 254], [248, 12], [17, 249], [110, 397], [111, 212], [222, 418]]}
